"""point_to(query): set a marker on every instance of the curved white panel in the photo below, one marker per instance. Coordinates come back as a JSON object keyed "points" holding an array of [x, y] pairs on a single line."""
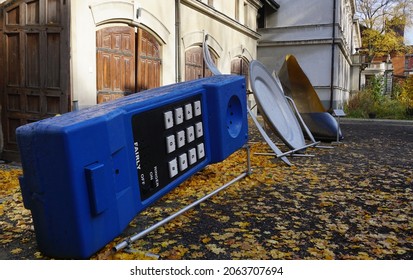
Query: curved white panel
{"points": [[208, 59], [274, 107]]}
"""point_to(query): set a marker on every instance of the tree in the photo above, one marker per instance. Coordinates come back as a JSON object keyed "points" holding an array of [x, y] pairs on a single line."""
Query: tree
{"points": [[406, 96], [384, 22]]}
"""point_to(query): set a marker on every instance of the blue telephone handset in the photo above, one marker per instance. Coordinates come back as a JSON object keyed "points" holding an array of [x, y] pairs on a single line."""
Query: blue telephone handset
{"points": [[87, 173]]}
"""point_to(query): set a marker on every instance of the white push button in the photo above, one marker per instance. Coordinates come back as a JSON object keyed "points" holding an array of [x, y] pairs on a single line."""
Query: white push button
{"points": [[173, 168], [168, 118], [170, 144], [192, 156], [180, 138], [190, 134], [198, 130], [197, 108], [200, 150], [188, 111], [179, 115], [183, 162]]}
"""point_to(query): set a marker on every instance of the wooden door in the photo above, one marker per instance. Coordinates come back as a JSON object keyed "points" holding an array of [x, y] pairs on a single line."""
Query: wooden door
{"points": [[195, 66], [115, 62], [148, 73], [127, 62], [35, 55], [239, 66]]}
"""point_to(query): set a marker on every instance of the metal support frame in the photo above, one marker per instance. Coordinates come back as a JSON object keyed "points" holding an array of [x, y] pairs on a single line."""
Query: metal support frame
{"points": [[207, 56], [307, 130], [300, 119], [338, 113], [127, 242], [278, 153], [291, 152]]}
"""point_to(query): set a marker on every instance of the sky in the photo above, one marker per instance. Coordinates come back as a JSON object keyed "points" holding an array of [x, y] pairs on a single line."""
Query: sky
{"points": [[408, 36]]}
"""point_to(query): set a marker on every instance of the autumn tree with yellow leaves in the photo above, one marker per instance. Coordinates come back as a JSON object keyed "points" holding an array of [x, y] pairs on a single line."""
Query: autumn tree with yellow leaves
{"points": [[406, 95], [383, 23]]}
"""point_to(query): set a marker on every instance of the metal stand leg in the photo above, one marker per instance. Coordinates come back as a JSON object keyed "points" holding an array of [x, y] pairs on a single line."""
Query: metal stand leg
{"points": [[338, 113], [277, 152], [307, 130], [291, 152], [129, 241], [337, 142], [267, 139], [338, 130], [300, 119]]}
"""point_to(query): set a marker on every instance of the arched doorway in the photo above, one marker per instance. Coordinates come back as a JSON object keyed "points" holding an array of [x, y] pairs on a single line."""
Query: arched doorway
{"points": [[239, 66], [126, 62], [195, 66]]}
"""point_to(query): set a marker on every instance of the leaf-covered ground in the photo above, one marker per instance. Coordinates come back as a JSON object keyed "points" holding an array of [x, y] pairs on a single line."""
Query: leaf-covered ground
{"points": [[351, 202]]}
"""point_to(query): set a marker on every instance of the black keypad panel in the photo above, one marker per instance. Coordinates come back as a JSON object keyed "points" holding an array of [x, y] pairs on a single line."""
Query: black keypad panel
{"points": [[169, 141]]}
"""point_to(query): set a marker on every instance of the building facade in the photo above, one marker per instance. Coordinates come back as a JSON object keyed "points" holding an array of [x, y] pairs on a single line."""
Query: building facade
{"points": [[322, 35], [63, 55]]}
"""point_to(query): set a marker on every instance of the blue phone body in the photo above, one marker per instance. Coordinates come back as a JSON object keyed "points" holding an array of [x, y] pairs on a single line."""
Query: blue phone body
{"points": [[81, 171]]}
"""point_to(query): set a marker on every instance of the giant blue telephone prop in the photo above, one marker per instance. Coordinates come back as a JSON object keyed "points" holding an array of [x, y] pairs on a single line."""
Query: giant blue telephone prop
{"points": [[87, 173]]}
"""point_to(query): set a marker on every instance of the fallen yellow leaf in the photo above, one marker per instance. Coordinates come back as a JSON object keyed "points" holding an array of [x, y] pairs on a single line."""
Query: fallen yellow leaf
{"points": [[16, 251]]}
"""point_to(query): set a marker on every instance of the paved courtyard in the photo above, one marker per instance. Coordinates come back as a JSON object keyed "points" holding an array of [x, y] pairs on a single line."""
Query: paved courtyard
{"points": [[351, 202]]}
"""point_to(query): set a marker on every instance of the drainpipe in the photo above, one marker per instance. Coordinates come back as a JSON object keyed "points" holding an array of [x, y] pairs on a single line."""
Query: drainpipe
{"points": [[73, 94], [332, 56], [178, 77]]}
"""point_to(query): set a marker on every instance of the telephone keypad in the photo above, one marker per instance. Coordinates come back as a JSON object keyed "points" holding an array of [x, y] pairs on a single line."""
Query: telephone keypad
{"points": [[170, 141]]}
